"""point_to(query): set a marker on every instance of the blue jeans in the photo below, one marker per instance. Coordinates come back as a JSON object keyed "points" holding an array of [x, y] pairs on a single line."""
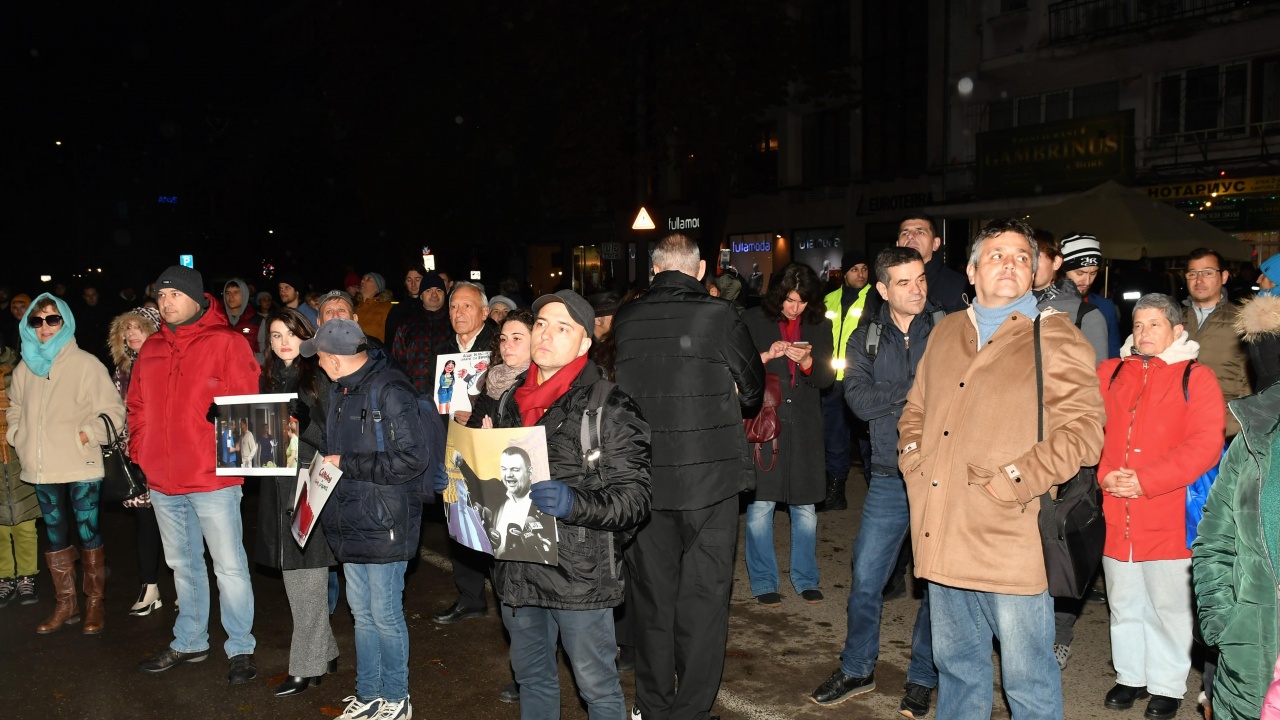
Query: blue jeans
{"points": [[885, 522], [835, 431], [375, 594], [591, 647], [186, 523], [762, 563], [964, 622]]}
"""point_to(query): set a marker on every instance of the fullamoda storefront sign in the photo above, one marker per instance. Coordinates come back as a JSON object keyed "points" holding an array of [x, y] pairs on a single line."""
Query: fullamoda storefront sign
{"points": [[1055, 157]]}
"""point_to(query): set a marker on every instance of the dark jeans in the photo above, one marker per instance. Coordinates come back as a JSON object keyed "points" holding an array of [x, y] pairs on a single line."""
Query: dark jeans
{"points": [[470, 568], [589, 643], [835, 431], [682, 572]]}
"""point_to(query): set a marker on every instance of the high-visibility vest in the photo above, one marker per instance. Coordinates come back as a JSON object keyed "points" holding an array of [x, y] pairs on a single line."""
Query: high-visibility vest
{"points": [[843, 327]]}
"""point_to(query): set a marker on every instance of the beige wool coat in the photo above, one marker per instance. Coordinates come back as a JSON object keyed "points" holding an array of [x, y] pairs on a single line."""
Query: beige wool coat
{"points": [[968, 449], [47, 414]]}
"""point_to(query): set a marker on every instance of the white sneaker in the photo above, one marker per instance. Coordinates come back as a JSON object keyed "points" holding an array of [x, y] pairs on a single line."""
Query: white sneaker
{"points": [[148, 600], [635, 713], [356, 710], [1062, 653], [402, 710]]}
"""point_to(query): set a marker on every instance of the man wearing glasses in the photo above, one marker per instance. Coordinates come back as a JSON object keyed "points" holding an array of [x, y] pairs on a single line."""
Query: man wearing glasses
{"points": [[946, 286], [1210, 320]]}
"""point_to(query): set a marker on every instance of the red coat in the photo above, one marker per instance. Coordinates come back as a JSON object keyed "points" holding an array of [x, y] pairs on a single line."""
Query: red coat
{"points": [[1167, 438], [175, 379], [247, 326]]}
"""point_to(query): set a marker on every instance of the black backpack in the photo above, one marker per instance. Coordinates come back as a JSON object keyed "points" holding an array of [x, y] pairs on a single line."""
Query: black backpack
{"points": [[429, 416], [1072, 531]]}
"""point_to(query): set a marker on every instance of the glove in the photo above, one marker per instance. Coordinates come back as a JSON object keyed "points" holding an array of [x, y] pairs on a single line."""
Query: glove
{"points": [[301, 412], [439, 479], [553, 497], [212, 415]]}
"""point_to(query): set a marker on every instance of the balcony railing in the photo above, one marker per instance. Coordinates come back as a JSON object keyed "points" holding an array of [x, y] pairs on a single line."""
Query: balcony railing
{"points": [[1074, 20]]}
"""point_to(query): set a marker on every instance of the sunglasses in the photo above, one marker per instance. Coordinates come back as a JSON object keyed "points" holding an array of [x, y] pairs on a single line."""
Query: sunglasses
{"points": [[53, 320]]}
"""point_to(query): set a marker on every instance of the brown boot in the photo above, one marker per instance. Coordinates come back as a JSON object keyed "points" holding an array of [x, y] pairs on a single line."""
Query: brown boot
{"points": [[62, 570], [93, 562]]}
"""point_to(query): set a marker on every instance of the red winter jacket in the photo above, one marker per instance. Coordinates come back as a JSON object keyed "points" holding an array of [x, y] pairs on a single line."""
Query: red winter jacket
{"points": [[1167, 438], [248, 327], [175, 379]]}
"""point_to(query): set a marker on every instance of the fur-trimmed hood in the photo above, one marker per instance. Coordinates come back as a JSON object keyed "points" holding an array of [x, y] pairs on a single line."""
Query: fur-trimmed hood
{"points": [[147, 319], [1257, 317]]}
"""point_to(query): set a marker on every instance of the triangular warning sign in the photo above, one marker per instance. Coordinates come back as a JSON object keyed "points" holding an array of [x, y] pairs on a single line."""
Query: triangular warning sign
{"points": [[643, 221]]}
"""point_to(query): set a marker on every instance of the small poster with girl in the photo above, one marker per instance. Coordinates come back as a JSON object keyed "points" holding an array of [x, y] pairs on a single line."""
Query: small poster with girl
{"points": [[456, 377]]}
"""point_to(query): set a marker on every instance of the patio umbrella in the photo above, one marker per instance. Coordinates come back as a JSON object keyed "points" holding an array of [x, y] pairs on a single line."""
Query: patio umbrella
{"points": [[1127, 222]]}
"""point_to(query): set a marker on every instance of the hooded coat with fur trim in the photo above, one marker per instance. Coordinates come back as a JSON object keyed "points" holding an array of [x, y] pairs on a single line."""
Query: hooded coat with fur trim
{"points": [[1167, 438], [120, 355], [1258, 324]]}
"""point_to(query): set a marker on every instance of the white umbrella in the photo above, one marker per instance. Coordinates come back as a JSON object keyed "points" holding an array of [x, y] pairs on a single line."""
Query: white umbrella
{"points": [[1127, 223]]}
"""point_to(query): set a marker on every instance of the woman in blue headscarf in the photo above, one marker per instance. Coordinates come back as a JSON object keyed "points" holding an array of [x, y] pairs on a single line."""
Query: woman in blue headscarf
{"points": [[1258, 324], [58, 393]]}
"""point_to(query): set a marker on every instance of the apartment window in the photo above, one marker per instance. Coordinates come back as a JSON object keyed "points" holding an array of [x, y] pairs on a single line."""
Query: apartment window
{"points": [[829, 24], [1266, 92], [826, 144], [1207, 102], [1081, 102]]}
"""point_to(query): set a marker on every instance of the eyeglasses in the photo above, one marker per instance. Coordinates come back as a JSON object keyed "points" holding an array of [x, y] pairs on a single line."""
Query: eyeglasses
{"points": [[53, 320], [1206, 273]]}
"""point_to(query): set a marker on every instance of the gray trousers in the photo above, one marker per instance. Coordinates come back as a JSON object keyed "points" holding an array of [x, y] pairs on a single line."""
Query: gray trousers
{"points": [[313, 644]]}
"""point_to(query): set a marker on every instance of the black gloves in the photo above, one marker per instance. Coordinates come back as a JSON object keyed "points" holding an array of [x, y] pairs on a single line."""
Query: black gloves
{"points": [[212, 415]]}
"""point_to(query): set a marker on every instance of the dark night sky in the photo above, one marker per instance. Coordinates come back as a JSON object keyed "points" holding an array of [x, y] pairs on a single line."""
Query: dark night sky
{"points": [[356, 133]]}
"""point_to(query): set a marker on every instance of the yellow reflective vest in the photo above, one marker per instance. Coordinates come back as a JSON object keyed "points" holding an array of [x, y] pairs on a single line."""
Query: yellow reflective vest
{"points": [[843, 327]]}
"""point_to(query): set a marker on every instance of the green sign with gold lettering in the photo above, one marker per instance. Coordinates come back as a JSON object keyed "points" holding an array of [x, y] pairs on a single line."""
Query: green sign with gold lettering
{"points": [[1055, 157]]}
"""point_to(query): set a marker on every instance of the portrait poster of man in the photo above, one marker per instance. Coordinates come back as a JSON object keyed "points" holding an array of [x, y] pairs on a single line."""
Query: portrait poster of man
{"points": [[252, 435], [489, 508], [455, 380]]}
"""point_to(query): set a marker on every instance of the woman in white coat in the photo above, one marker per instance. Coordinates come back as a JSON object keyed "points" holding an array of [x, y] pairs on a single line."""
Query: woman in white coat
{"points": [[58, 393]]}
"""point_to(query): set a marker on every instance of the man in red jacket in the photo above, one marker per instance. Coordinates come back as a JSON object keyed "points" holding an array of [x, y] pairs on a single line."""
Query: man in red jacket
{"points": [[195, 357]]}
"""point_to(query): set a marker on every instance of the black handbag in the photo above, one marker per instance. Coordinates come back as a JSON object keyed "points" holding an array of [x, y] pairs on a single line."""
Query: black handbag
{"points": [[1072, 531], [122, 479]]}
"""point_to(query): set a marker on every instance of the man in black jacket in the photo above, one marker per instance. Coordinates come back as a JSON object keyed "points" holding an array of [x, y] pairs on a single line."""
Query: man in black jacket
{"points": [[689, 363], [592, 497], [946, 286], [882, 356], [468, 308], [377, 439]]}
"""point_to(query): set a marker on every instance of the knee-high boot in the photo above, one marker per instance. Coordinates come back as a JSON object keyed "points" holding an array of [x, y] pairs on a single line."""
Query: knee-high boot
{"points": [[62, 570], [95, 580]]}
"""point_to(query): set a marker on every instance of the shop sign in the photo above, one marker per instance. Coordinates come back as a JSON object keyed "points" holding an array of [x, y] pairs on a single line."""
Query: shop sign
{"points": [[682, 223], [872, 204], [1214, 188], [1055, 157], [610, 251], [749, 247]]}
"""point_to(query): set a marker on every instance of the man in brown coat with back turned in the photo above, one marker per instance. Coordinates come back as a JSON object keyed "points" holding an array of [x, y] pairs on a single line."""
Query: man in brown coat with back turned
{"points": [[975, 468]]}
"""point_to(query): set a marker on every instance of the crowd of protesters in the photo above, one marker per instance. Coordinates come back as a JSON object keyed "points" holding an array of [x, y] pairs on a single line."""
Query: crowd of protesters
{"points": [[969, 397]]}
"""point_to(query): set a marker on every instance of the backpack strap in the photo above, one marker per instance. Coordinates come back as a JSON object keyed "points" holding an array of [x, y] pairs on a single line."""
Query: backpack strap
{"points": [[1039, 383], [872, 345], [1084, 309], [591, 421], [1186, 382], [374, 393]]}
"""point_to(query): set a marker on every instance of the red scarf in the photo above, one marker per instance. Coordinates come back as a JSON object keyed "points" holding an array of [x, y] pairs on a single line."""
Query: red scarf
{"points": [[534, 397], [790, 330]]}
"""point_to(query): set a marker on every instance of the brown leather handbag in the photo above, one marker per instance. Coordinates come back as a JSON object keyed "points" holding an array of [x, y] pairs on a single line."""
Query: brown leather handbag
{"points": [[765, 426]]}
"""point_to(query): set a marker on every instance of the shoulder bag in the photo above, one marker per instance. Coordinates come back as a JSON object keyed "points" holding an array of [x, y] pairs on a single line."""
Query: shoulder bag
{"points": [[122, 479]]}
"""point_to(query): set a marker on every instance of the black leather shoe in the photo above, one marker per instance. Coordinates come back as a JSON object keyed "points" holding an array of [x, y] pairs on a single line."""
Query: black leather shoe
{"points": [[1161, 707], [510, 693], [294, 685], [1121, 697], [241, 669], [331, 668], [170, 658], [840, 687], [456, 612]]}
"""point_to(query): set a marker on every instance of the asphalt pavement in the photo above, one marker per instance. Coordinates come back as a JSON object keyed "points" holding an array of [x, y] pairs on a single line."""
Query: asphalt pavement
{"points": [[775, 658]]}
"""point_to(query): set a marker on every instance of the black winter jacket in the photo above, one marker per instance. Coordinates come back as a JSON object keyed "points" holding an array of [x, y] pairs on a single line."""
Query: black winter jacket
{"points": [[375, 512], [877, 392], [610, 499], [688, 361], [946, 286], [276, 547]]}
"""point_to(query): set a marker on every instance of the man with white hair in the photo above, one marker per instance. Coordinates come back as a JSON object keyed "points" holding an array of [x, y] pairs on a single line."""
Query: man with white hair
{"points": [[976, 462], [690, 364]]}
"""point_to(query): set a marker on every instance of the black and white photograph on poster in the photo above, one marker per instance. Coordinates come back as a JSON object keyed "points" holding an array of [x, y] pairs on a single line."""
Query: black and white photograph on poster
{"points": [[254, 436], [491, 472], [456, 378]]}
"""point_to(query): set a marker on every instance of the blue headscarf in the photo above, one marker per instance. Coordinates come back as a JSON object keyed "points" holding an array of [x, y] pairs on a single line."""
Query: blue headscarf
{"points": [[37, 355]]}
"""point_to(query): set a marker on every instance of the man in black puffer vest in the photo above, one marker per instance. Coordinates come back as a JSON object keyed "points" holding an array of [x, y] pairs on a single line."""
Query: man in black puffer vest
{"points": [[689, 363]]}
